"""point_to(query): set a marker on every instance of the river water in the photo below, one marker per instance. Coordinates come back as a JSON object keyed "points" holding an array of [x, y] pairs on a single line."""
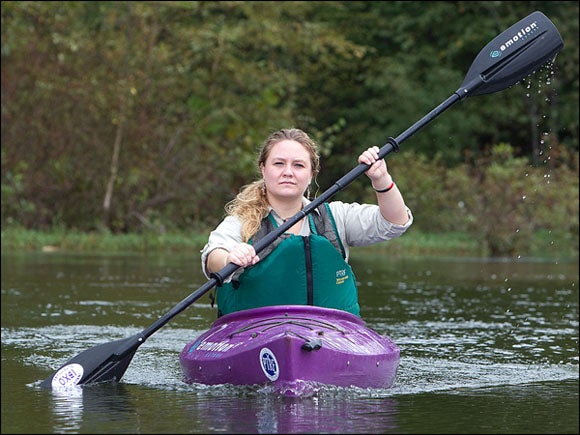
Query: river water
{"points": [[487, 346]]}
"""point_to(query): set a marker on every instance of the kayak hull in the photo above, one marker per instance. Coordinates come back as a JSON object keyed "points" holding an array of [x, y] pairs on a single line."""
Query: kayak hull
{"points": [[291, 344]]}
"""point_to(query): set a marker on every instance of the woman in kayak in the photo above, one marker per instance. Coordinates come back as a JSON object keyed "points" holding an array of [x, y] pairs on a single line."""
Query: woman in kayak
{"points": [[308, 264]]}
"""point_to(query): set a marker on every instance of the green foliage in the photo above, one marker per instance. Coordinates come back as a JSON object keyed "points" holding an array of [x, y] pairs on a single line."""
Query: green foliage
{"points": [[434, 193], [17, 238], [500, 210], [145, 117], [501, 200]]}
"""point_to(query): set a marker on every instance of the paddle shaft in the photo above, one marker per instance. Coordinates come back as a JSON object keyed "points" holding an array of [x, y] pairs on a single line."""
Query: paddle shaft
{"points": [[217, 278]]}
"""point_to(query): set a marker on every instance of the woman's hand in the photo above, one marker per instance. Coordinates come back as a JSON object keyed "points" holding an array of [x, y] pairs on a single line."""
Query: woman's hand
{"points": [[377, 172], [243, 254]]}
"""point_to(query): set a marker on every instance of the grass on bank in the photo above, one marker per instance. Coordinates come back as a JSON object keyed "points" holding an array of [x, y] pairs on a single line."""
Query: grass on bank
{"points": [[412, 243]]}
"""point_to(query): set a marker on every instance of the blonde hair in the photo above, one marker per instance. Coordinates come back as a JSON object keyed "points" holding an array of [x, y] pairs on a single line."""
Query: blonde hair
{"points": [[251, 204]]}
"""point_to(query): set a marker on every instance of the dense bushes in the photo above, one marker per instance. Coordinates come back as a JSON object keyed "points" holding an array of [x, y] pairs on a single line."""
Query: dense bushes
{"points": [[144, 117], [500, 200]]}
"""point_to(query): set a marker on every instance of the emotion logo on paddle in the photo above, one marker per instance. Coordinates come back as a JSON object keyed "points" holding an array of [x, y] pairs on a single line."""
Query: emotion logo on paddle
{"points": [[67, 376]]}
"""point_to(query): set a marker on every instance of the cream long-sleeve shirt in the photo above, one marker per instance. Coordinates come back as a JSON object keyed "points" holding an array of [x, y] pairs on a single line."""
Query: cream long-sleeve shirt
{"points": [[357, 224]]}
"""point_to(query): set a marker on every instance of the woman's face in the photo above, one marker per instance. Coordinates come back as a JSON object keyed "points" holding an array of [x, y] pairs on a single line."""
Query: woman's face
{"points": [[287, 171]]}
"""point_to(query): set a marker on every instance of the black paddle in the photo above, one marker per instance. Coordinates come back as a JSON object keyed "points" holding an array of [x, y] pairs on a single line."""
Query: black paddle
{"points": [[511, 56]]}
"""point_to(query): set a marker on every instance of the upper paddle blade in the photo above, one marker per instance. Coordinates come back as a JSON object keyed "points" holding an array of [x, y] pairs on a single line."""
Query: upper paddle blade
{"points": [[512, 55], [103, 363]]}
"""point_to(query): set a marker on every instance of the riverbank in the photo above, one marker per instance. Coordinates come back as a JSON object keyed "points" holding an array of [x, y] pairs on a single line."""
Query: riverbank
{"points": [[413, 243]]}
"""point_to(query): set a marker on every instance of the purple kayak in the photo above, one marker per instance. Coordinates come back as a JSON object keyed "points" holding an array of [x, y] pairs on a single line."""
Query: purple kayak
{"points": [[287, 345]]}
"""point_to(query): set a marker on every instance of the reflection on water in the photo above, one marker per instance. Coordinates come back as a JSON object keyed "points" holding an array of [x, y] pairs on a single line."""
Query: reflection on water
{"points": [[477, 338], [275, 414], [121, 408], [68, 409], [127, 408], [80, 409]]}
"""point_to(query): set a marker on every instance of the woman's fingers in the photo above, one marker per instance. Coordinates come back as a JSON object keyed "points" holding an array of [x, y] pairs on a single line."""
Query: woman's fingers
{"points": [[369, 156], [243, 254]]}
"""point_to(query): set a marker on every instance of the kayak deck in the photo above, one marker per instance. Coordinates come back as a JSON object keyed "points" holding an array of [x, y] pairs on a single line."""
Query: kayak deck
{"points": [[285, 345]]}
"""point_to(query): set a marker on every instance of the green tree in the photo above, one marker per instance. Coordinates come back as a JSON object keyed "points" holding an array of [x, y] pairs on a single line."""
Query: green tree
{"points": [[146, 116]]}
